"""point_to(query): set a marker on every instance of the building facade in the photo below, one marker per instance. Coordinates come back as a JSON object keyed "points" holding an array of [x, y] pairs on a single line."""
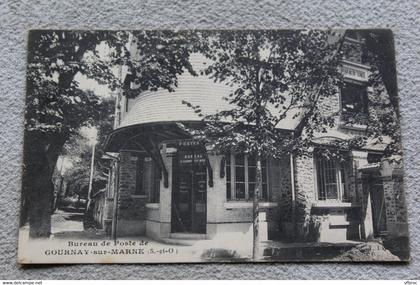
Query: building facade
{"points": [[164, 185]]}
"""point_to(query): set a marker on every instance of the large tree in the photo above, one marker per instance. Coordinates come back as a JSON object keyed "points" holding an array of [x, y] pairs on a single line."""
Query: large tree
{"points": [[375, 48], [78, 152], [379, 52], [56, 107], [277, 78]]}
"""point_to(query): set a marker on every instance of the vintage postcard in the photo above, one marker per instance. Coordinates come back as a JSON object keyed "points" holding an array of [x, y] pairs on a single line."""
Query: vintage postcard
{"points": [[160, 146]]}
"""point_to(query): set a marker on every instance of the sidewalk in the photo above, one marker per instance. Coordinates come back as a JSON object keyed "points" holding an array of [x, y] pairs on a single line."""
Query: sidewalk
{"points": [[342, 252]]}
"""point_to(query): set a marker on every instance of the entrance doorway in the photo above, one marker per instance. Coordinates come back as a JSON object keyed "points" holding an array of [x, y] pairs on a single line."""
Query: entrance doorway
{"points": [[189, 192], [378, 205]]}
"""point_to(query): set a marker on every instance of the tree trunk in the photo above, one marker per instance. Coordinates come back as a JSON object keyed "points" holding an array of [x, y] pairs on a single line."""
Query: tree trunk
{"points": [[381, 43], [40, 208], [256, 211], [57, 201], [40, 157], [41, 151]]}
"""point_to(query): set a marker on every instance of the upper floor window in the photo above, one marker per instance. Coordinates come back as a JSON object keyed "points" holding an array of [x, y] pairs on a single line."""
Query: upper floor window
{"points": [[331, 179], [352, 47], [354, 99], [241, 177]]}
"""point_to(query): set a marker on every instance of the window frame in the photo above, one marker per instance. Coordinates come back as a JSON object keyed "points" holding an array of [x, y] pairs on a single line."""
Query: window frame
{"points": [[140, 189], [246, 178], [364, 100], [341, 182], [356, 42], [154, 191], [149, 186]]}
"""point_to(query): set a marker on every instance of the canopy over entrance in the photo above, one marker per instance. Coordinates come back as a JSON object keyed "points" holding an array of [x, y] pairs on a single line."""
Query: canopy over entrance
{"points": [[136, 137], [147, 138]]}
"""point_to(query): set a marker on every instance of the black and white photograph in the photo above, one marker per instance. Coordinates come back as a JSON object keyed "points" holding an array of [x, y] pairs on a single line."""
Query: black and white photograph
{"points": [[179, 146]]}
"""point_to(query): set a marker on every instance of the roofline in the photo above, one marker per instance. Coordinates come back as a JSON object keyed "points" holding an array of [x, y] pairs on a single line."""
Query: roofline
{"points": [[124, 128], [160, 123]]}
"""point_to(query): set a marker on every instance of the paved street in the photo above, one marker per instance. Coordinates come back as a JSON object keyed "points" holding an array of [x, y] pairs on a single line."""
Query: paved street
{"points": [[68, 225], [64, 221]]}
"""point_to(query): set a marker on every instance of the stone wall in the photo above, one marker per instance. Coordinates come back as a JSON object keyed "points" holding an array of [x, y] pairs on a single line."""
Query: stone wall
{"points": [[351, 194], [329, 221], [282, 194], [131, 213], [304, 193], [395, 204], [330, 105]]}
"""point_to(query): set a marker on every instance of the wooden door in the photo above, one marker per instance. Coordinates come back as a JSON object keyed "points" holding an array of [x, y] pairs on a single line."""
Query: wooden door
{"points": [[189, 192]]}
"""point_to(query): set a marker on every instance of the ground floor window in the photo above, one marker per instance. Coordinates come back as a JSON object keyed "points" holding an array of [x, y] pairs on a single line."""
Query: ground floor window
{"points": [[140, 189], [147, 178], [154, 189], [331, 179], [241, 177]]}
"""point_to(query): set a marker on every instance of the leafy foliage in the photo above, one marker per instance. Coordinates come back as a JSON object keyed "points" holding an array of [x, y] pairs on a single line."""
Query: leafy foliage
{"points": [[55, 103], [276, 77], [157, 58], [288, 77], [381, 126], [56, 106], [379, 46], [78, 150]]}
